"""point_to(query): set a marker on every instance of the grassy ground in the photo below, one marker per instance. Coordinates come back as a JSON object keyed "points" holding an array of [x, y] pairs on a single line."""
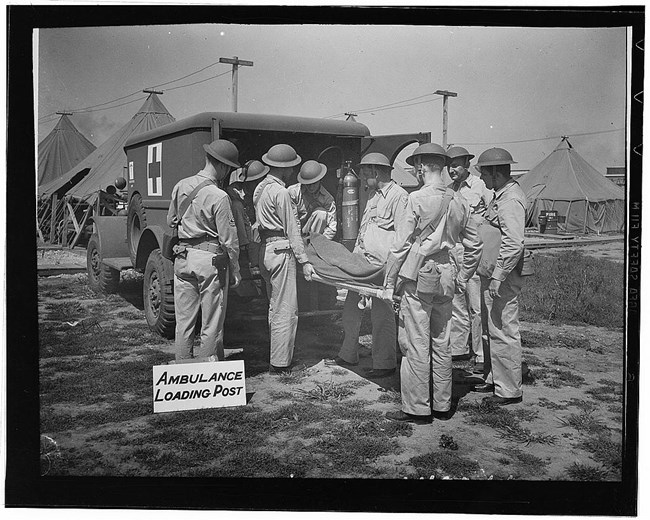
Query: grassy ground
{"points": [[322, 420]]}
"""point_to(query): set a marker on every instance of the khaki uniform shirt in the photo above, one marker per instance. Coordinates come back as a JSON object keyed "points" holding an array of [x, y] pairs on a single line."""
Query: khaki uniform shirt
{"points": [[274, 212], [208, 215], [422, 208], [306, 203], [381, 220], [507, 211], [475, 192]]}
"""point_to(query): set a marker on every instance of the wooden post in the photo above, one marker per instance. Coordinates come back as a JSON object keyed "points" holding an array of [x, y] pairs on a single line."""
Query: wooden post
{"points": [[236, 63], [81, 227], [53, 218], [445, 95]]}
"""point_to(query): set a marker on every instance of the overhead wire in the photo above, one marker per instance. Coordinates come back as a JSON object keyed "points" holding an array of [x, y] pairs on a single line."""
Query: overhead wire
{"points": [[377, 108], [542, 138]]}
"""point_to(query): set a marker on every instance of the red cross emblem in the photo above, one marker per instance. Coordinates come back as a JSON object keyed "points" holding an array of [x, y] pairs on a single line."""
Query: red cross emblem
{"points": [[154, 170]]}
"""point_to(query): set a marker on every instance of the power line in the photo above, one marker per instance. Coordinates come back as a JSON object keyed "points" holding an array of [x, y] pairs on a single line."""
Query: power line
{"points": [[187, 76], [542, 138], [363, 110], [200, 81], [108, 108]]}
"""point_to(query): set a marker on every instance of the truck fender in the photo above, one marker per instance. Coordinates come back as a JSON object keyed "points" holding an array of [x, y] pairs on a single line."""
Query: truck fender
{"points": [[111, 232], [151, 238]]}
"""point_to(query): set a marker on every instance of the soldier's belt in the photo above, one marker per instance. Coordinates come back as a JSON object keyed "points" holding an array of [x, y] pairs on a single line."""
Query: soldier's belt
{"points": [[266, 234], [441, 257], [204, 244]]}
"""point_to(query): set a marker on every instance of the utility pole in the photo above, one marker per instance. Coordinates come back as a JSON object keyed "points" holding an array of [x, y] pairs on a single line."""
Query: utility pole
{"points": [[445, 95], [351, 116], [236, 63], [152, 91]]}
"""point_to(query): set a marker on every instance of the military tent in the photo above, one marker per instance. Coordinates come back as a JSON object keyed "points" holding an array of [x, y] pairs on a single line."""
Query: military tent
{"points": [[565, 182], [106, 163], [63, 148]]}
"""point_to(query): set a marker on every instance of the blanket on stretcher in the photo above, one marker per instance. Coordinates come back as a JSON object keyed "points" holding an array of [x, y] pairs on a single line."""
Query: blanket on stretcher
{"points": [[333, 261]]}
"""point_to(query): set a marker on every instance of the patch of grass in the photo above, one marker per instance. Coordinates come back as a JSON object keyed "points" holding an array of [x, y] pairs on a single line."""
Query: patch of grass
{"points": [[583, 472], [339, 372], [443, 463], [573, 342], [604, 450], [525, 414], [66, 311], [584, 422], [281, 395], [259, 463], [585, 406], [292, 376], [129, 315], [534, 340], [390, 396], [329, 391], [615, 408], [108, 435], [53, 421], [545, 403], [561, 378], [606, 394], [573, 288], [350, 453], [528, 463]]}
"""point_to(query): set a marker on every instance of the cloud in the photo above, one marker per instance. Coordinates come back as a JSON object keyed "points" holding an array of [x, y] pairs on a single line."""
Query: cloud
{"points": [[96, 128]]}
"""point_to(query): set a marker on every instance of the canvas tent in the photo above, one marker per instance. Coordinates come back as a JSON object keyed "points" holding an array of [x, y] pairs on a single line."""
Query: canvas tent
{"points": [[565, 182], [63, 148], [106, 163]]}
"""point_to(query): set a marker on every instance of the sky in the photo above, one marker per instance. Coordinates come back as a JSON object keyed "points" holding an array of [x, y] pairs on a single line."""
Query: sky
{"points": [[513, 84]]}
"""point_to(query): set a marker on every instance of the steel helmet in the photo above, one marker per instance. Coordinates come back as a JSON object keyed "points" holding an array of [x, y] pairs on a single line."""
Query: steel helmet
{"points": [[427, 149], [255, 170], [458, 151], [494, 156], [224, 152], [378, 159], [311, 172], [281, 156]]}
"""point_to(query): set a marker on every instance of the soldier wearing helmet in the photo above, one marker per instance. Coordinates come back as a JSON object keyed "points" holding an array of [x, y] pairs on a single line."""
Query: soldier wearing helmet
{"points": [[206, 230], [380, 223], [315, 205], [281, 246], [501, 287], [436, 219], [466, 334]]}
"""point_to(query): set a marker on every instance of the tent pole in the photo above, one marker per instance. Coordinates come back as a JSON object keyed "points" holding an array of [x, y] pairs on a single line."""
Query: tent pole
{"points": [[81, 227], [53, 218]]}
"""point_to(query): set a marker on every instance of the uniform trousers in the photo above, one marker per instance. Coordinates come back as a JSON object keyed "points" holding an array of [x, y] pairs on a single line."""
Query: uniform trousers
{"points": [[384, 335], [197, 286], [316, 223], [279, 273], [466, 319], [503, 351], [424, 341]]}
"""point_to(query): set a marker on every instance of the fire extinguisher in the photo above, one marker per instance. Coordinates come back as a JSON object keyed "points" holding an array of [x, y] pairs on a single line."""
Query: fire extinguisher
{"points": [[350, 204]]}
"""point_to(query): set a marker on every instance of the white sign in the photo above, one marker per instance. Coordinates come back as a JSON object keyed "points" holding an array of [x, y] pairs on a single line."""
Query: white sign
{"points": [[131, 178], [191, 386], [154, 170]]}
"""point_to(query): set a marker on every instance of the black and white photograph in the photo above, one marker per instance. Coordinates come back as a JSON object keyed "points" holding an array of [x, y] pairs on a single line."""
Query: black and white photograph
{"points": [[307, 249]]}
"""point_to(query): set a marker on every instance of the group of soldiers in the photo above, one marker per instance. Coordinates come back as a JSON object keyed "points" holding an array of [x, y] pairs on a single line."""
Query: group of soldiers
{"points": [[432, 244]]}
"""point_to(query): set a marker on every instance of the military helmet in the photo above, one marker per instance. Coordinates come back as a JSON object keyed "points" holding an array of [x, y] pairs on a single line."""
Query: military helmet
{"points": [[311, 172], [223, 151], [494, 157], [255, 170], [281, 156], [377, 159], [458, 151], [427, 149]]}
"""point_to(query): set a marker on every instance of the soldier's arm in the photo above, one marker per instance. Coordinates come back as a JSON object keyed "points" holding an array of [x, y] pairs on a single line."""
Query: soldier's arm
{"points": [[227, 230], [287, 214], [512, 221], [243, 231], [405, 224], [473, 247], [330, 230], [172, 218]]}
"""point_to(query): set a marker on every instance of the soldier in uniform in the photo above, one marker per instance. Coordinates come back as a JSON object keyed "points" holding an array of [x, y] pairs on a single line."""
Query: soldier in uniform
{"points": [[466, 334], [255, 172], [500, 291], [382, 218], [314, 204], [206, 231], [436, 219], [281, 246]]}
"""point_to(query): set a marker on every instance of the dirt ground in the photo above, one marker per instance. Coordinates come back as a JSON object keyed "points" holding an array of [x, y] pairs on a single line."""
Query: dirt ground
{"points": [[568, 427]]}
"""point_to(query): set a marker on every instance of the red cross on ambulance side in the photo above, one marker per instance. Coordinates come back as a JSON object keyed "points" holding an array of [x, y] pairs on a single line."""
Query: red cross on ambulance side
{"points": [[154, 170]]}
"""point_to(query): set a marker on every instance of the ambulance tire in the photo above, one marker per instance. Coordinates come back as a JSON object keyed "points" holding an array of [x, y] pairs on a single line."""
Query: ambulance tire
{"points": [[101, 278], [136, 222], [158, 295]]}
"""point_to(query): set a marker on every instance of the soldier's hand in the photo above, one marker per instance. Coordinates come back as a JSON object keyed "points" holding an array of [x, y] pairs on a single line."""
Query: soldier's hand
{"points": [[307, 271], [494, 288], [235, 280], [461, 287], [387, 293]]}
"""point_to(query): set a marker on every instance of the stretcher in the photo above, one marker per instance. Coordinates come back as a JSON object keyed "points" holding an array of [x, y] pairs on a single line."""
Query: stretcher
{"points": [[365, 291]]}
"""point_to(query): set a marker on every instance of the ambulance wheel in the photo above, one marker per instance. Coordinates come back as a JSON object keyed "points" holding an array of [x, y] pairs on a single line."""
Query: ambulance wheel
{"points": [[158, 295], [101, 278], [136, 222]]}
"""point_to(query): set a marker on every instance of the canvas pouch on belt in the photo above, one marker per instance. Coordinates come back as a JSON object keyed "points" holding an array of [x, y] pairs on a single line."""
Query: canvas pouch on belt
{"points": [[437, 280]]}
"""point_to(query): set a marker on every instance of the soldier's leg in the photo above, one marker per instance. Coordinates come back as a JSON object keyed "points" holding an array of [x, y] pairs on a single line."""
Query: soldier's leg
{"points": [[317, 222], [441, 361], [351, 325], [459, 325], [283, 308], [413, 335], [505, 341], [213, 307], [186, 303], [384, 335], [486, 303], [473, 293]]}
